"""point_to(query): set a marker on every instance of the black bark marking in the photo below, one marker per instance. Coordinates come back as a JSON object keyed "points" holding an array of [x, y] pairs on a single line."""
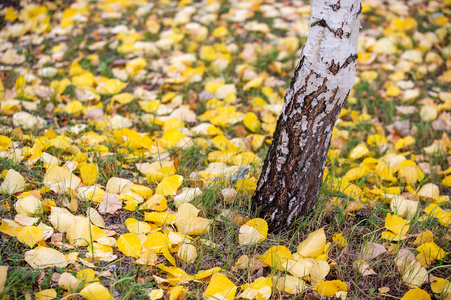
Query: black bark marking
{"points": [[351, 58], [336, 6], [334, 68], [296, 71], [339, 32]]}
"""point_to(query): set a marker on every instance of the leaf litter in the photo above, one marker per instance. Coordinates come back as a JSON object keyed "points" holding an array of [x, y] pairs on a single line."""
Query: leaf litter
{"points": [[102, 108]]}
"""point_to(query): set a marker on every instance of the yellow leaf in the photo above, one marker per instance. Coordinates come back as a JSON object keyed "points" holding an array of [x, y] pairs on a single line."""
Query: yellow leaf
{"points": [[47, 294], [358, 152], [255, 83], [149, 106], [116, 185], [447, 181], [110, 86], [30, 235], [254, 231], [246, 185], [96, 291], [251, 122], [431, 250], [171, 137], [197, 226], [259, 289], [187, 221], [142, 190], [28, 206], [60, 142], [416, 294], [207, 273], [129, 244], [123, 98], [414, 275], [300, 267], [137, 227], [68, 282], [61, 219], [290, 284], [276, 257], [429, 191], [83, 233], [313, 245], [339, 240], [89, 174], [176, 272], [169, 185], [432, 210], [10, 227], [405, 142], [168, 97], [409, 174], [43, 257], [222, 143], [156, 294], [156, 202], [156, 241], [134, 66], [14, 182], [160, 218], [397, 225], [439, 284], [175, 292], [220, 287], [248, 235], [319, 271], [59, 179], [74, 107], [330, 288], [444, 218], [3, 276], [404, 207], [355, 173], [393, 91], [428, 113], [5, 142], [425, 237], [220, 31], [187, 196], [10, 16], [187, 253]]}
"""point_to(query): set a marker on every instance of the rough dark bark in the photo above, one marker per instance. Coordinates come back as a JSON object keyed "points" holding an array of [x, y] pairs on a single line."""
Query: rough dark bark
{"points": [[293, 169]]}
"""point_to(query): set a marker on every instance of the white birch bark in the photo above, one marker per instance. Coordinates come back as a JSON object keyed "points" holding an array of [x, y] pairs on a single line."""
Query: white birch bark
{"points": [[292, 173]]}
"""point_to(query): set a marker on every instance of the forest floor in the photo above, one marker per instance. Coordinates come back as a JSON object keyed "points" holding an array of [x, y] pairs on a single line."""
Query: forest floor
{"points": [[132, 136]]}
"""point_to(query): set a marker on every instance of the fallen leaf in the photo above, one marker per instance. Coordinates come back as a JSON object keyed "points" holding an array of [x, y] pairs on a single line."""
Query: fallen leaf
{"points": [[416, 294], [129, 244], [96, 291], [371, 250], [43, 257], [109, 204], [363, 267], [313, 245], [13, 183], [220, 287]]}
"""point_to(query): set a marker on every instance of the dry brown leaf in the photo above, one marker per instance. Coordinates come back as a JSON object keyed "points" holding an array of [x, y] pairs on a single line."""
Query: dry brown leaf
{"points": [[363, 267], [371, 250], [109, 204]]}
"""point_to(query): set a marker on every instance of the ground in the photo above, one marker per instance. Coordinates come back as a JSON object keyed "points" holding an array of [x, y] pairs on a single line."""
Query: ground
{"points": [[132, 135]]}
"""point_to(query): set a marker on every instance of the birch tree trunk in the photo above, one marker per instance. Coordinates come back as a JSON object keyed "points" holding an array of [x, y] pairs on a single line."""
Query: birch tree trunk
{"points": [[292, 174]]}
